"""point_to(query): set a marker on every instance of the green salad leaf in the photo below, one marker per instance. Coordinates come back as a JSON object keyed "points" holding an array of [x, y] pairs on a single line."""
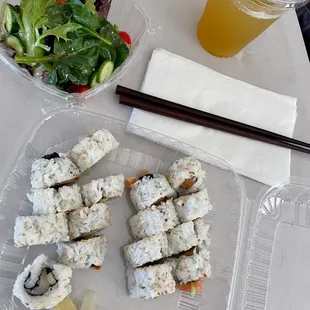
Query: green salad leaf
{"points": [[91, 5], [71, 39], [60, 32], [32, 19]]}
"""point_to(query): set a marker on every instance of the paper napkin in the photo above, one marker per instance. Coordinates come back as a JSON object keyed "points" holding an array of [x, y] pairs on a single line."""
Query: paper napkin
{"points": [[181, 80]]}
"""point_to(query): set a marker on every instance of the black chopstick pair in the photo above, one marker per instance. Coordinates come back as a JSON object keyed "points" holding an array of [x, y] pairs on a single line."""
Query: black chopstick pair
{"points": [[167, 108]]}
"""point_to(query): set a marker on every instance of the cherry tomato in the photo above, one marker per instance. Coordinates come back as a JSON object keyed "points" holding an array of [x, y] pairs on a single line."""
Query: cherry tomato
{"points": [[61, 1], [125, 37], [73, 88]]}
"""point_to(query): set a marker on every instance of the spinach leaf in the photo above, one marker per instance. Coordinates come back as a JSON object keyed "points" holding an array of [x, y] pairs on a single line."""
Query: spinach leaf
{"points": [[77, 59], [83, 16], [59, 14], [118, 47], [79, 13]]}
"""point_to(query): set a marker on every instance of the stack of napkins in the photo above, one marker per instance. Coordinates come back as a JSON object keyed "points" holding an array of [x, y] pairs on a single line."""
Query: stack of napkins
{"points": [[178, 79]]}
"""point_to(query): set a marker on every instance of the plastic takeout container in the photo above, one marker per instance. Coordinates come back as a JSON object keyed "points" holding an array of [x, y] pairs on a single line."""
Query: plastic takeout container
{"points": [[259, 249], [129, 17]]}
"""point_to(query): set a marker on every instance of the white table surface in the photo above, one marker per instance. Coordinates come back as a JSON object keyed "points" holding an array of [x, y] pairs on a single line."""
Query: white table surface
{"points": [[277, 61]]}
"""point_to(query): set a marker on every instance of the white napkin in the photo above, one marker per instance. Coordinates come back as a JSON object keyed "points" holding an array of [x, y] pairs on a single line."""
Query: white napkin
{"points": [[183, 81]]}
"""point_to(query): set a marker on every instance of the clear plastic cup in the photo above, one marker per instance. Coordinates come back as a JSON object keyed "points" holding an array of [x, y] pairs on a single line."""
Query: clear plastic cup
{"points": [[227, 26]]}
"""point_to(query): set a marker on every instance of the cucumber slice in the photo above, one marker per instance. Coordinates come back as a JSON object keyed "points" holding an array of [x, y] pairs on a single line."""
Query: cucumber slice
{"points": [[105, 70], [15, 44], [10, 22], [93, 80]]}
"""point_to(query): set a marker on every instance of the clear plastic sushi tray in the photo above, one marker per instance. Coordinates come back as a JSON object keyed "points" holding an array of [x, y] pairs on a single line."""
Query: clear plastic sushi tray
{"points": [[249, 238]]}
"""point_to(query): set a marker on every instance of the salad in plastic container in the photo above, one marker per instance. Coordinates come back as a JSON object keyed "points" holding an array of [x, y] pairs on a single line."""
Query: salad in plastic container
{"points": [[71, 48]]}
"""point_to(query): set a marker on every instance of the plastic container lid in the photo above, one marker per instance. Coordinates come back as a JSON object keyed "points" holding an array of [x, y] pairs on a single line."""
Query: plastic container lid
{"points": [[259, 249], [273, 271]]}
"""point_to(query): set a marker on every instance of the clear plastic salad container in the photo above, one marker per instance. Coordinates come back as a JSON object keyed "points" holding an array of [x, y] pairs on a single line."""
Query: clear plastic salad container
{"points": [[259, 250], [129, 17]]}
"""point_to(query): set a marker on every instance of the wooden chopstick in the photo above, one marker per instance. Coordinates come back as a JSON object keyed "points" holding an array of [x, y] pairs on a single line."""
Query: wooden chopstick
{"points": [[197, 119], [124, 91]]}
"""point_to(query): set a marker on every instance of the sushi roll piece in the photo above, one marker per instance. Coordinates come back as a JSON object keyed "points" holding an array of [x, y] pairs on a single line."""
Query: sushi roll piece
{"points": [[194, 267], [45, 200], [150, 190], [83, 254], [51, 200], [202, 231], [154, 220], [53, 170], [182, 238], [44, 229], [193, 206], [93, 148], [104, 188], [150, 282], [186, 175], [86, 221], [146, 250], [43, 284], [105, 140]]}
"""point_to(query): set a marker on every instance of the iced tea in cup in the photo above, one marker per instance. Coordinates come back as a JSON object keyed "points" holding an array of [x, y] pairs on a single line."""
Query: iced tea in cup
{"points": [[227, 26]]}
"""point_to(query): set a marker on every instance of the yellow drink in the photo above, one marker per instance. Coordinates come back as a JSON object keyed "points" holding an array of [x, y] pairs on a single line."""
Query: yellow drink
{"points": [[226, 27]]}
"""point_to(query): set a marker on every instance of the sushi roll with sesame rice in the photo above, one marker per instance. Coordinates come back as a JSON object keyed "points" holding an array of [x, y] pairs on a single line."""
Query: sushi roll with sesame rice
{"points": [[202, 230], [182, 238], [51, 200], [154, 220], [193, 267], [84, 222], [146, 250], [84, 253], [193, 206], [53, 170], [104, 188], [44, 229], [150, 282], [186, 175], [43, 284], [91, 149], [149, 190]]}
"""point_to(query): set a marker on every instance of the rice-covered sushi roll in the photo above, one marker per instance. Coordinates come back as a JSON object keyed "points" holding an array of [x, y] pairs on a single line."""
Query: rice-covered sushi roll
{"points": [[188, 268], [104, 188], [43, 229], [86, 221], [202, 231], [83, 254], [51, 200], [193, 206], [182, 238], [91, 149], [150, 190], [53, 170], [43, 284], [154, 220], [146, 250], [186, 175], [194, 267], [150, 282]]}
